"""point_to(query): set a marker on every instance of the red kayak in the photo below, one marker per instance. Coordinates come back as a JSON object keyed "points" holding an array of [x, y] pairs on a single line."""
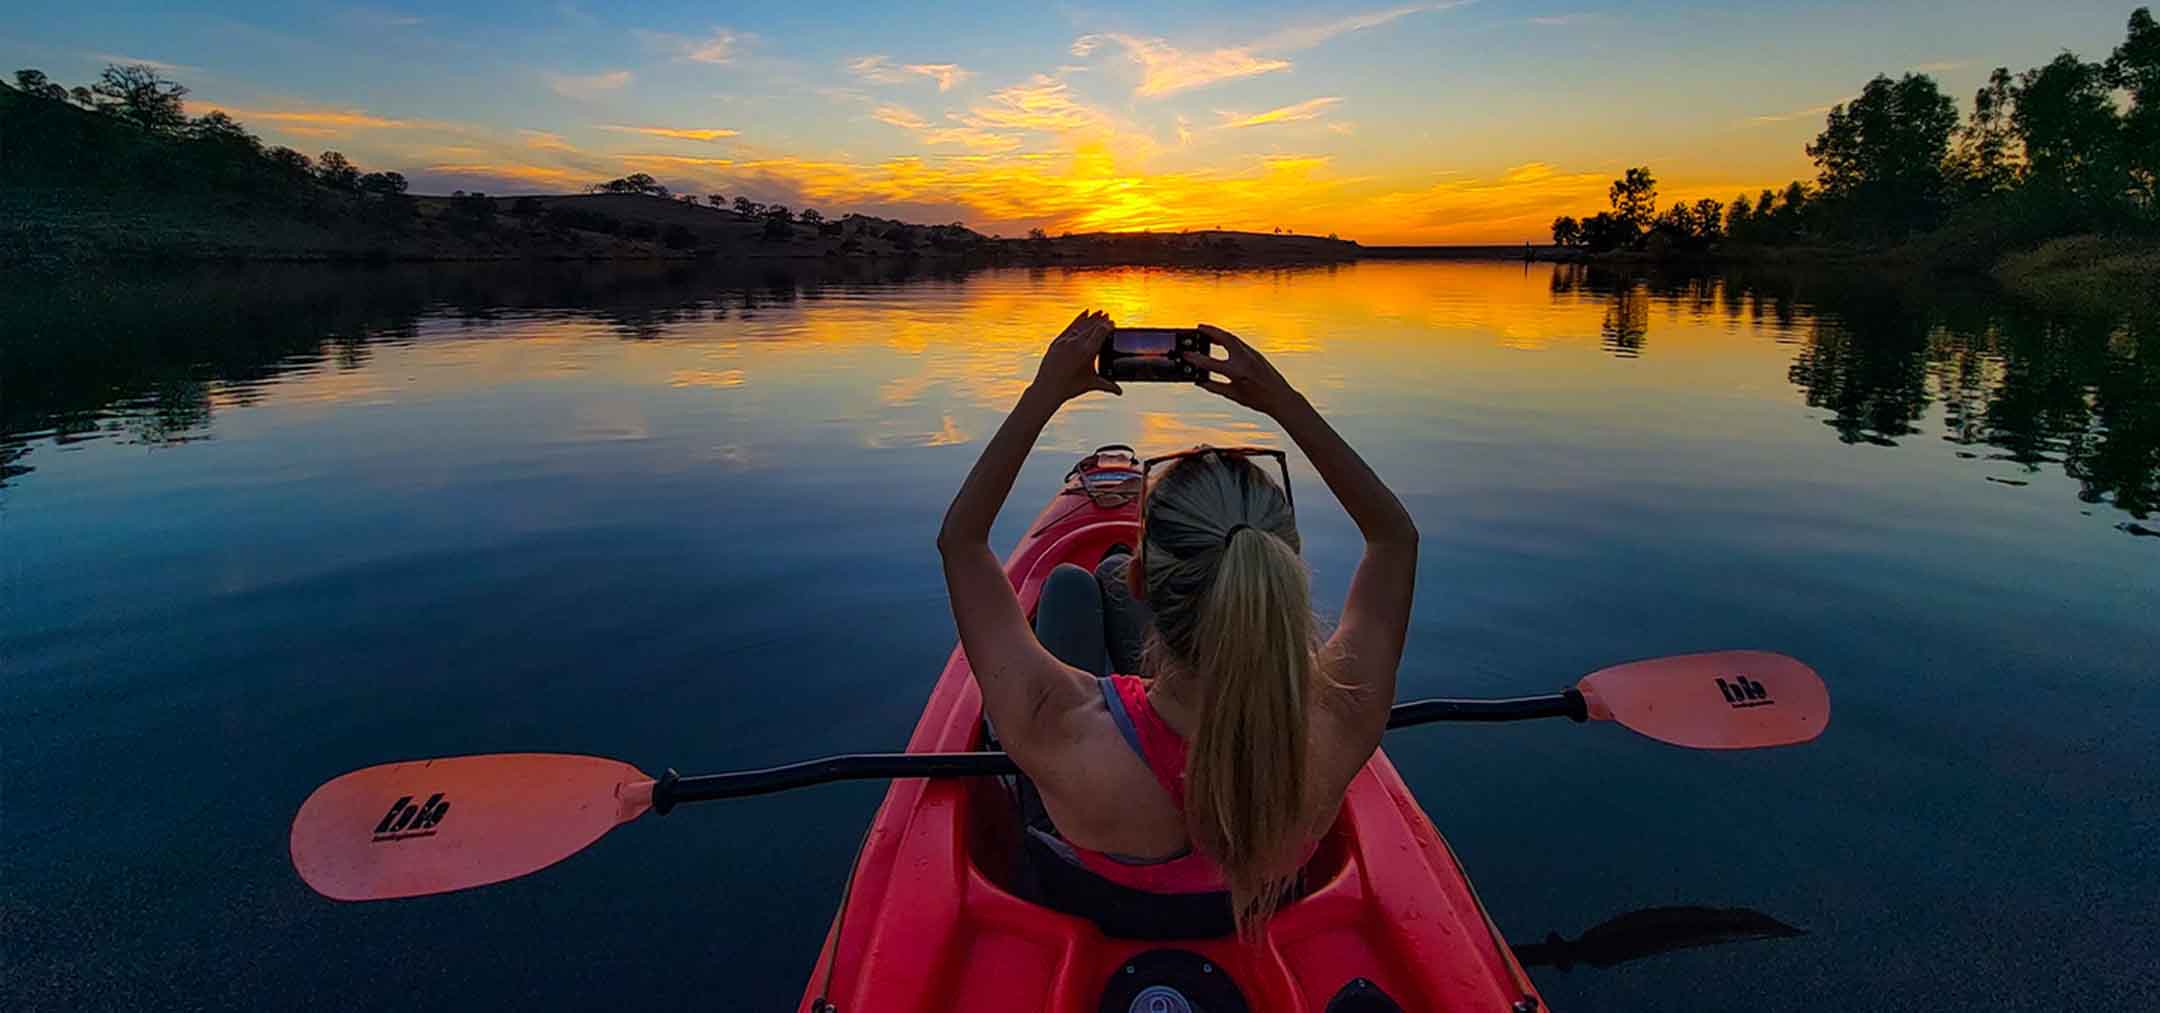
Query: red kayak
{"points": [[928, 924]]}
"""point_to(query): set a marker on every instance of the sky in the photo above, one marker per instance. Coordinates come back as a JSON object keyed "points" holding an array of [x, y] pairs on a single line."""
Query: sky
{"points": [[1473, 121]]}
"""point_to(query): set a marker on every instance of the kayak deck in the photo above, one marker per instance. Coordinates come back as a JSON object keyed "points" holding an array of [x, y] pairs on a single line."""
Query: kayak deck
{"points": [[926, 924]]}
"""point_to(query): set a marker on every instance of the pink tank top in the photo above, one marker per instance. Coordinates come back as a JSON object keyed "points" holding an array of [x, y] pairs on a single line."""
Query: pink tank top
{"points": [[1163, 750]]}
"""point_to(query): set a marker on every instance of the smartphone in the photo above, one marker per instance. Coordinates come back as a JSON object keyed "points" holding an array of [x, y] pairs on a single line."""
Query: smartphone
{"points": [[1151, 354]]}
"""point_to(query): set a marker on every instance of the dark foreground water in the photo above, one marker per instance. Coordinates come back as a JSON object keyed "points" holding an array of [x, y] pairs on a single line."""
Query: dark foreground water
{"points": [[261, 528]]}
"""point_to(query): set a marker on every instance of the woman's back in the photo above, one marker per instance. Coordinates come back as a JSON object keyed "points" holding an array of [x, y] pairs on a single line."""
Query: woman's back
{"points": [[1272, 723]]}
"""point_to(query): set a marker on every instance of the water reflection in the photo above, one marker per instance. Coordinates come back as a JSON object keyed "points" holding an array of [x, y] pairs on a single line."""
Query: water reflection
{"points": [[152, 359]]}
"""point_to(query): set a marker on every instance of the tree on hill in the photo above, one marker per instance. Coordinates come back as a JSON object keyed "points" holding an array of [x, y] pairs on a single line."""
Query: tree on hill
{"points": [[333, 170], [636, 182], [716, 200], [137, 94], [34, 84], [748, 208], [810, 216]]}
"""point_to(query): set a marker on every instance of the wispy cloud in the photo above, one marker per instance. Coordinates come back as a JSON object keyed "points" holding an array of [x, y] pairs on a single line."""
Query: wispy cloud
{"points": [[1166, 69], [721, 45], [586, 86], [1308, 36], [707, 134], [945, 74], [1310, 109], [1042, 103], [883, 70], [1809, 113], [899, 116], [144, 61], [317, 122], [544, 141], [1937, 67], [973, 138], [1563, 20]]}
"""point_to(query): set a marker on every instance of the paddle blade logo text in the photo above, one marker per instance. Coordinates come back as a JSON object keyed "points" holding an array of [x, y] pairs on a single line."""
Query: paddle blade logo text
{"points": [[1744, 692], [406, 820]]}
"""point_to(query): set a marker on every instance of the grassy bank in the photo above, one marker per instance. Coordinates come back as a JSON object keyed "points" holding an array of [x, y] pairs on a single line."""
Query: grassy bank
{"points": [[2088, 274]]}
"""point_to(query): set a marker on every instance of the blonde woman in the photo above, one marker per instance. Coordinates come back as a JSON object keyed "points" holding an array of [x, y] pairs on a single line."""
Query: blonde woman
{"points": [[1182, 798]]}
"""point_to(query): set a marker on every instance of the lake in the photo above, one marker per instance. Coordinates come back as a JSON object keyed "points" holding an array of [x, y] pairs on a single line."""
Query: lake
{"points": [[263, 526]]}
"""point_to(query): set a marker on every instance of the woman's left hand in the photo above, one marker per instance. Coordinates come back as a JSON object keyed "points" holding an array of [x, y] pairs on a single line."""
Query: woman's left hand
{"points": [[1068, 367]]}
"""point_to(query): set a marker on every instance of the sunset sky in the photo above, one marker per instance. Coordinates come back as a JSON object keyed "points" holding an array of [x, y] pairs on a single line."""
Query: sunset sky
{"points": [[1460, 122]]}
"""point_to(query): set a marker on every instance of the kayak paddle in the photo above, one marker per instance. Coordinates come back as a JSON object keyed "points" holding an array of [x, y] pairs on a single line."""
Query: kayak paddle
{"points": [[432, 826]]}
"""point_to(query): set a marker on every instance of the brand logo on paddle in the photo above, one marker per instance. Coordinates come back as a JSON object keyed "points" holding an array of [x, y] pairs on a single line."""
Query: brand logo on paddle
{"points": [[406, 820], [1744, 692]]}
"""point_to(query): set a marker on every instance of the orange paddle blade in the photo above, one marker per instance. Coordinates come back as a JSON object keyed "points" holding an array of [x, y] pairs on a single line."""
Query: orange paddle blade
{"points": [[432, 826], [1719, 700]]}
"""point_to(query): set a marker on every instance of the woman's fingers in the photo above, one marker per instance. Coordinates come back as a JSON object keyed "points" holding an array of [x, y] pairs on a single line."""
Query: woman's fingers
{"points": [[1222, 337], [1223, 366], [1218, 387]]}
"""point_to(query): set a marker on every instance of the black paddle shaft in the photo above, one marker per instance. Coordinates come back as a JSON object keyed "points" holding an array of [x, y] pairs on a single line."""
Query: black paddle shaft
{"points": [[672, 788]]}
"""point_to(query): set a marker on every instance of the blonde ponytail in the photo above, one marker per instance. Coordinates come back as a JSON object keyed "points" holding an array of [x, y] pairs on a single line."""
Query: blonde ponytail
{"points": [[1233, 611], [1245, 792]]}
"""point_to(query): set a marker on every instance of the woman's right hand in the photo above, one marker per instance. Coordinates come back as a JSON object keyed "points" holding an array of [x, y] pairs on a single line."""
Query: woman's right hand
{"points": [[1253, 380]]}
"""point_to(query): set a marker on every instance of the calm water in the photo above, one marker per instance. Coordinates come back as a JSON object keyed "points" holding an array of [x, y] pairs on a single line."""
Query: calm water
{"points": [[262, 528]]}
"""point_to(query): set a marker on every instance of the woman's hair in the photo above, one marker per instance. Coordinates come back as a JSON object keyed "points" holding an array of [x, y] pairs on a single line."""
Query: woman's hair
{"points": [[1233, 610]]}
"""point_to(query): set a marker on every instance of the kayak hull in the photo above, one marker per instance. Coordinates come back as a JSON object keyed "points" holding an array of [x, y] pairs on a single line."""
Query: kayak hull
{"points": [[926, 926]]}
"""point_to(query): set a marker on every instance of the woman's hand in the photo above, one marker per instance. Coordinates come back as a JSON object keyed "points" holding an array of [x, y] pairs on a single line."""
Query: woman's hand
{"points": [[1253, 381], [1068, 367]]}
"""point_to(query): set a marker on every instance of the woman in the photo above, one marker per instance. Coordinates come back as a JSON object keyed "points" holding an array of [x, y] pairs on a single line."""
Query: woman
{"points": [[1270, 723]]}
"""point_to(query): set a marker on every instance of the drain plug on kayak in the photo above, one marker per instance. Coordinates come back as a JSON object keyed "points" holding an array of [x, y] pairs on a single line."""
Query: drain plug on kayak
{"points": [[1171, 981]]}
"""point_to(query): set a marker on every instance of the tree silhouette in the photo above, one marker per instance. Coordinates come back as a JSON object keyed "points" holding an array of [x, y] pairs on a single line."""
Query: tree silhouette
{"points": [[2135, 68], [716, 200], [333, 170], [34, 83], [748, 208], [1882, 154], [1988, 158], [2065, 116], [1739, 216], [1634, 197], [1566, 231], [138, 95], [810, 216]]}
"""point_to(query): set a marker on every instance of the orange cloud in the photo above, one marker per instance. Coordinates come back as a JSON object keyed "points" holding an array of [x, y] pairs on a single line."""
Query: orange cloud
{"points": [[545, 141], [678, 133], [1306, 110], [971, 138], [321, 120], [553, 177]]}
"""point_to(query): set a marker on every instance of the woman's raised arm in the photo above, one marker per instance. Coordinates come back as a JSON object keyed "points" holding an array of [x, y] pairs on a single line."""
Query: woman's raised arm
{"points": [[1017, 675], [1368, 642]]}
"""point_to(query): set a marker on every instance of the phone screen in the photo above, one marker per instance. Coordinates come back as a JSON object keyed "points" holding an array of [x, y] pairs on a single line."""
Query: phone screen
{"points": [[1144, 342]]}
